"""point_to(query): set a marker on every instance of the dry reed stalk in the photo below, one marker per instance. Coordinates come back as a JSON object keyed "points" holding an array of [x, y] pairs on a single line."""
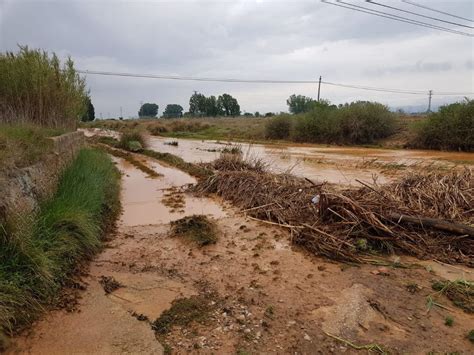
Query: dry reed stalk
{"points": [[349, 223]]}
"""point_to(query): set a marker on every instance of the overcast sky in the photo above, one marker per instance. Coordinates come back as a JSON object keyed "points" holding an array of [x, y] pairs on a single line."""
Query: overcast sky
{"points": [[282, 40]]}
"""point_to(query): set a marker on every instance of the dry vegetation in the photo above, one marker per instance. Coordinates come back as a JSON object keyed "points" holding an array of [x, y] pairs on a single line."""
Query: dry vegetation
{"points": [[353, 223]]}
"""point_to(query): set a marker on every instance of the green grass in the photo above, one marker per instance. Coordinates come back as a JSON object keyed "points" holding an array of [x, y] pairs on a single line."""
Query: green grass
{"points": [[39, 253], [22, 146]]}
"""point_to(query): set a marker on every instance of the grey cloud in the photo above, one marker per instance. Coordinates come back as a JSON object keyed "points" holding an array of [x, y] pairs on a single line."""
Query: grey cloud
{"points": [[247, 39]]}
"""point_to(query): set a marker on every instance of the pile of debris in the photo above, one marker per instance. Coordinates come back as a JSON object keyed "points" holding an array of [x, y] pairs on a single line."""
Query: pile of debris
{"points": [[429, 215]]}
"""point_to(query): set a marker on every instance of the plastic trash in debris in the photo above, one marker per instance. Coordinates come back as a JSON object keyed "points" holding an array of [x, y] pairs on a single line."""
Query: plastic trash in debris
{"points": [[315, 199]]}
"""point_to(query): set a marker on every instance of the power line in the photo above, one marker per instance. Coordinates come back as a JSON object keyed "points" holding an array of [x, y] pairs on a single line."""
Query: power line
{"points": [[417, 14], [394, 17], [260, 81], [441, 12]]}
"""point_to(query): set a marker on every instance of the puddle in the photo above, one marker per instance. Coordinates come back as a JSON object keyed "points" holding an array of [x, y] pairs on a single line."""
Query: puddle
{"points": [[142, 197]]}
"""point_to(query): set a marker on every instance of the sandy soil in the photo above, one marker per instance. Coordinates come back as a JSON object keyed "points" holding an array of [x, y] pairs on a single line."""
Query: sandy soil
{"points": [[266, 296]]}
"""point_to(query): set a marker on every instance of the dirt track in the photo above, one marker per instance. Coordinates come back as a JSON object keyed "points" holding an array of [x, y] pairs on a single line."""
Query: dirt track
{"points": [[266, 295]]}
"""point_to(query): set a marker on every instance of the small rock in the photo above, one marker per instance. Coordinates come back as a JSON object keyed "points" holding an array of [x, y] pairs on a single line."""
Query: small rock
{"points": [[247, 330], [291, 322], [307, 337]]}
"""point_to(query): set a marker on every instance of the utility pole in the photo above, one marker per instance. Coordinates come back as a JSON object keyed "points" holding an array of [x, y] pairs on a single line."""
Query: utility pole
{"points": [[430, 93], [319, 87]]}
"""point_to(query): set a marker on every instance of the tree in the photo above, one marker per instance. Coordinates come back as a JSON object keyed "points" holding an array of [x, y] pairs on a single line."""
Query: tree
{"points": [[173, 111], [89, 114], [148, 110], [299, 104], [197, 104], [212, 107], [229, 105]]}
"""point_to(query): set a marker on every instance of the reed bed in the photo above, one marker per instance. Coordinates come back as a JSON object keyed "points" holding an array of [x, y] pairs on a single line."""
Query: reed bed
{"points": [[353, 223], [36, 89]]}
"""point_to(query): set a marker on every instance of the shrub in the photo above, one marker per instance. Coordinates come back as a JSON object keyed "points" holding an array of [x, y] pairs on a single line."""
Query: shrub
{"points": [[355, 123], [451, 128], [35, 88], [364, 122], [132, 140], [39, 253], [278, 127], [316, 126]]}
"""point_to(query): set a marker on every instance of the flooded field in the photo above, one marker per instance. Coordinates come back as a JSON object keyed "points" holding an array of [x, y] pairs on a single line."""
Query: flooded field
{"points": [[340, 165]]}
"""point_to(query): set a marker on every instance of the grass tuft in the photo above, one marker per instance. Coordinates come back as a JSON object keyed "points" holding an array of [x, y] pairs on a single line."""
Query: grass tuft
{"points": [[197, 228], [460, 292], [133, 141], [183, 311]]}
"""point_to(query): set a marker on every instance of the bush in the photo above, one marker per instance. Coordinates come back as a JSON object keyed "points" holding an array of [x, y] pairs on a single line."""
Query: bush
{"points": [[316, 126], [278, 127], [35, 88], [355, 123], [39, 253], [451, 128], [129, 140], [364, 122]]}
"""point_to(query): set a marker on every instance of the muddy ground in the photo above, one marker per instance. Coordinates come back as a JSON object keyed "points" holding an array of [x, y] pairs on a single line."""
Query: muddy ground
{"points": [[259, 293]]}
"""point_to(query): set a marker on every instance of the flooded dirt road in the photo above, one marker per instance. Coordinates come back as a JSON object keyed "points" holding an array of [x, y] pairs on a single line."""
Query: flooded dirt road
{"points": [[339, 165], [264, 295]]}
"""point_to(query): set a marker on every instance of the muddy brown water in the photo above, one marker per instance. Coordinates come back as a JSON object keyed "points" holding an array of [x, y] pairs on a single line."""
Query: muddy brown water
{"points": [[320, 163], [271, 297]]}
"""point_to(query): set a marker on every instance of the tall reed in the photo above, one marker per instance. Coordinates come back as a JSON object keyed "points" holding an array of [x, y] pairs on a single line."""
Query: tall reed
{"points": [[36, 89]]}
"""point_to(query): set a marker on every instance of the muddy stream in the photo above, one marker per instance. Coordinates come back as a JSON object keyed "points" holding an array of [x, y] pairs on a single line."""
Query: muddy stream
{"points": [[266, 295], [340, 165]]}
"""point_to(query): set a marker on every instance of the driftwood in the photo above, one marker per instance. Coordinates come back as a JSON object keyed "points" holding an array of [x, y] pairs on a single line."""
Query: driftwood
{"points": [[435, 223]]}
